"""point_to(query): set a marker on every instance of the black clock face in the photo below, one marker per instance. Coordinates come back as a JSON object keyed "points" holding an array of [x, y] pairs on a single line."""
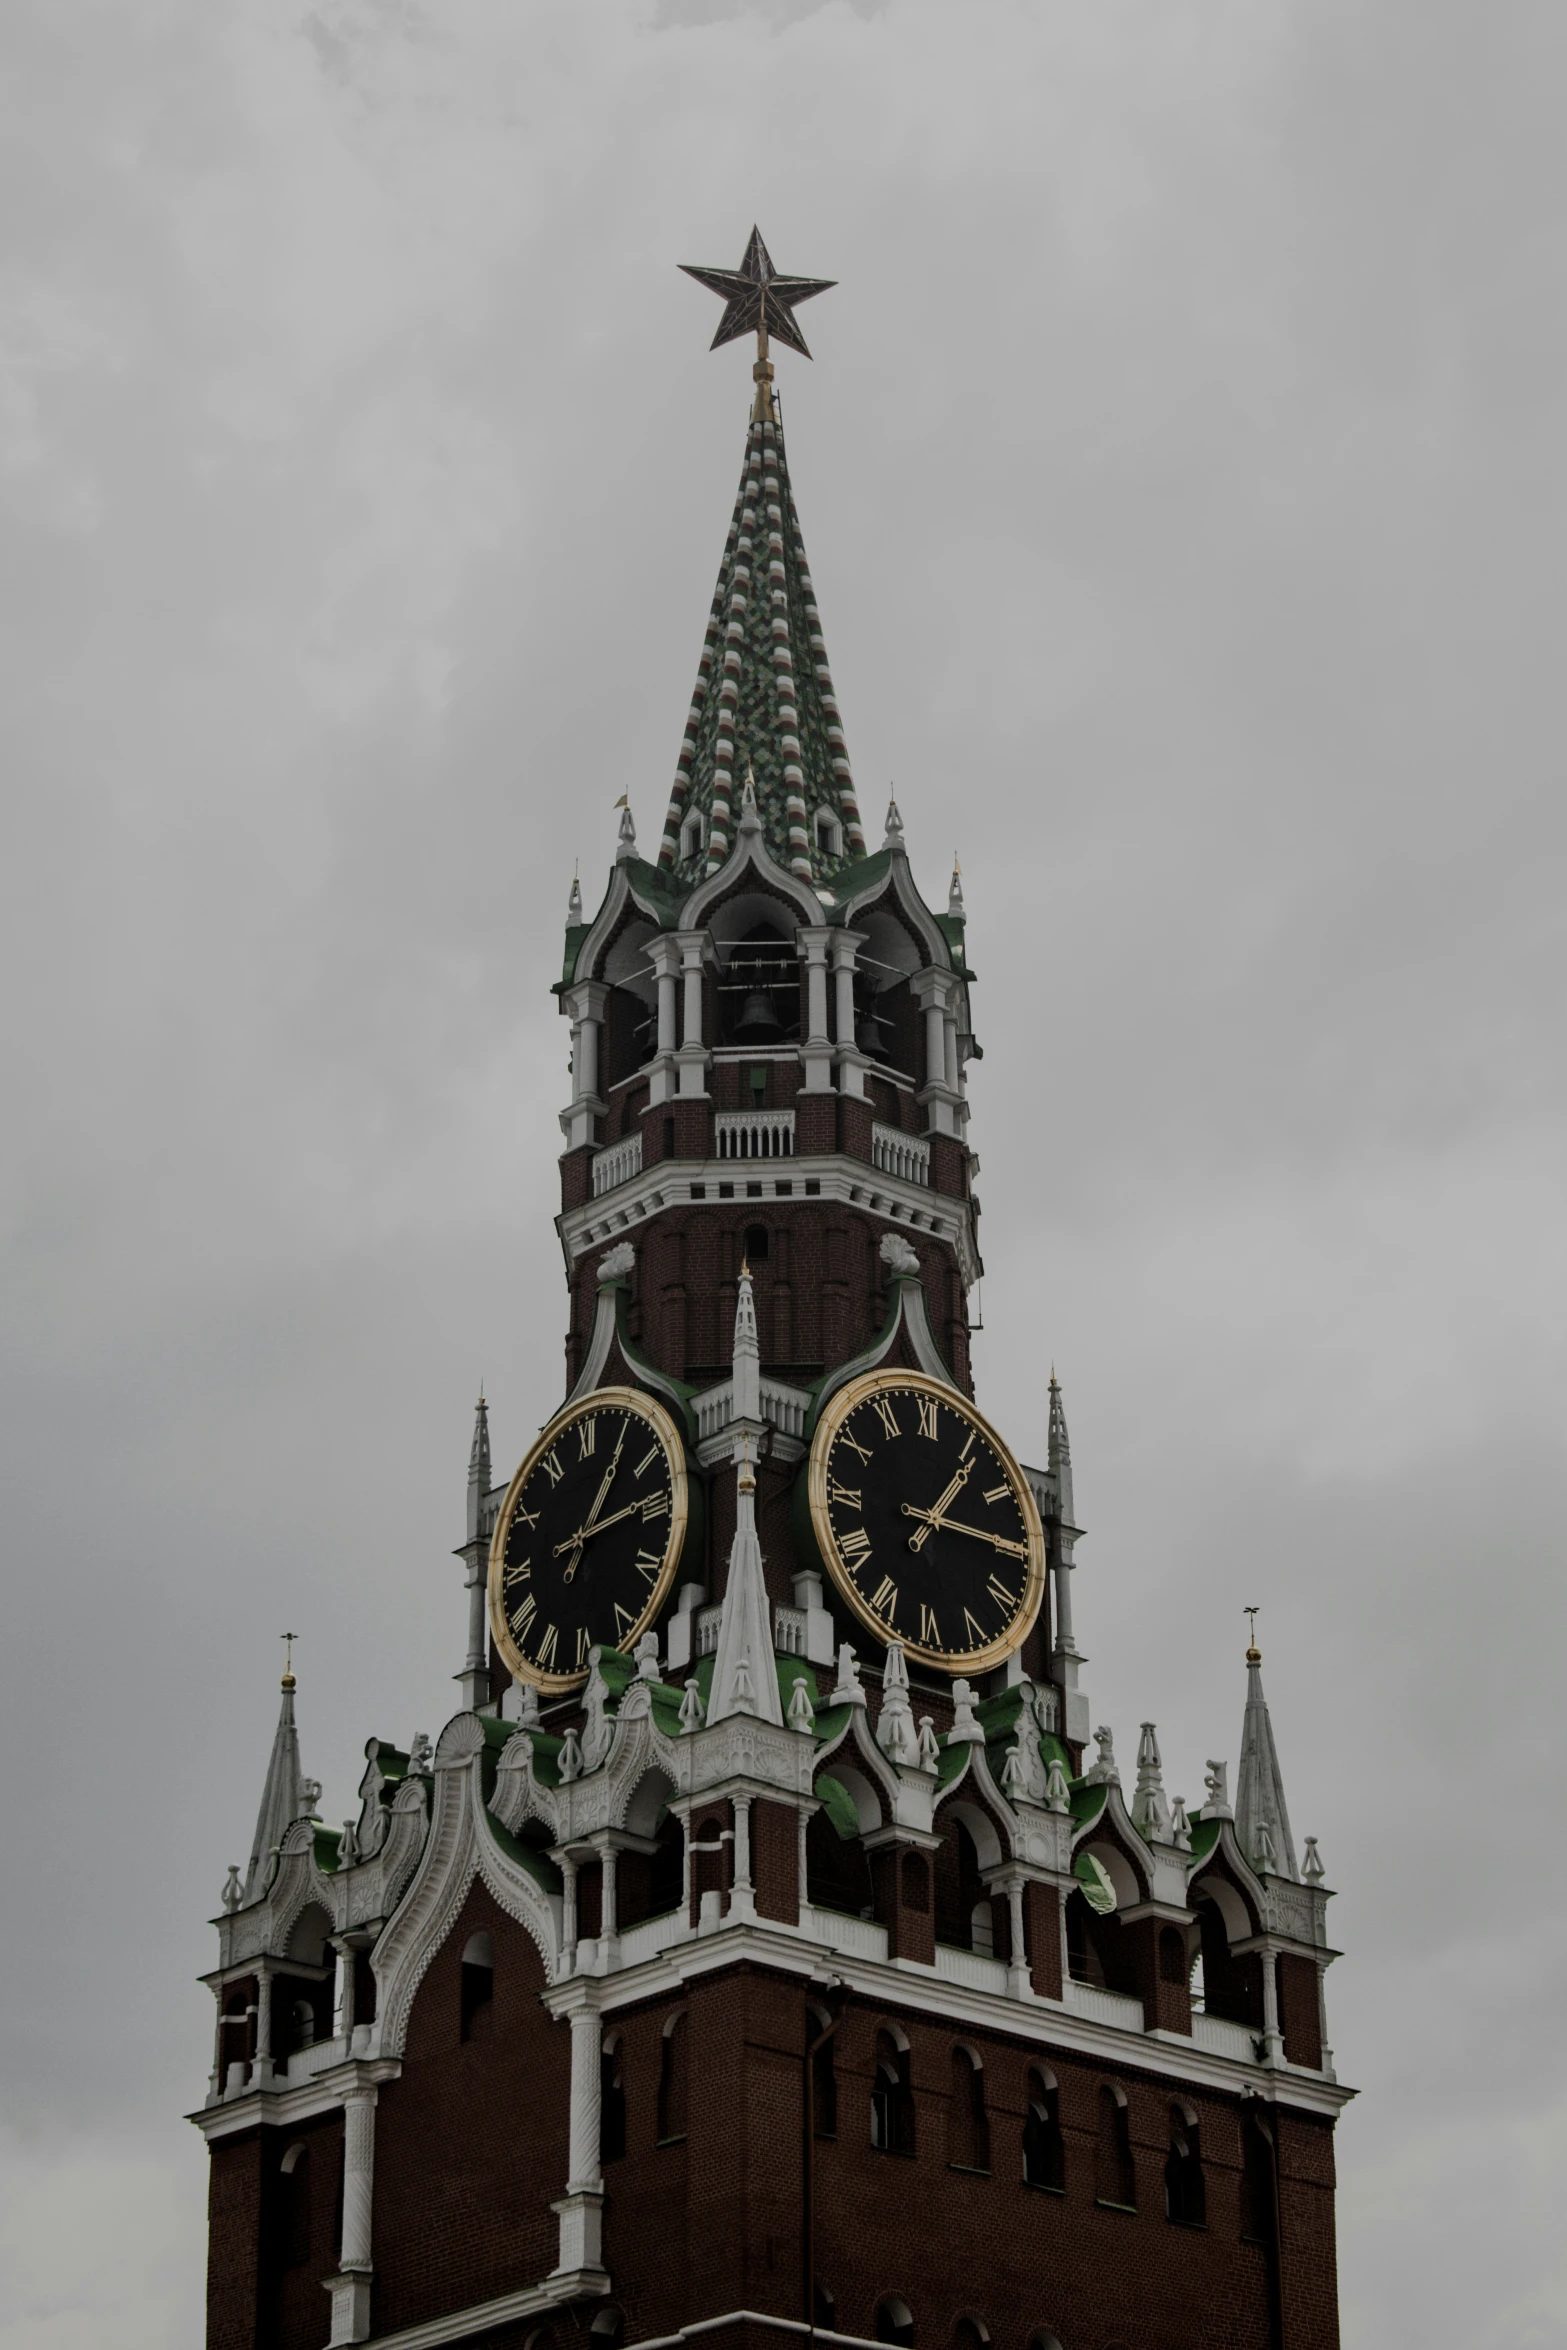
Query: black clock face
{"points": [[926, 1521], [586, 1546]]}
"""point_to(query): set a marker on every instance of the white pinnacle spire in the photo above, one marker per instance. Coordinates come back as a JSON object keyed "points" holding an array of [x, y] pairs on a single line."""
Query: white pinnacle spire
{"points": [[282, 1796], [1262, 1821], [745, 1679], [627, 844]]}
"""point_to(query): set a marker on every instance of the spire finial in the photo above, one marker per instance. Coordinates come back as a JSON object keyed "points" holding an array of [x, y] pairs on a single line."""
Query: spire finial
{"points": [[893, 838], [574, 901], [628, 831], [288, 1638], [955, 893], [758, 301], [1253, 1652]]}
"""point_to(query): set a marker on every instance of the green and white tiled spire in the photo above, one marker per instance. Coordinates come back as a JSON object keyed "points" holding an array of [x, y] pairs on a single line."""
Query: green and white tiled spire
{"points": [[764, 700]]}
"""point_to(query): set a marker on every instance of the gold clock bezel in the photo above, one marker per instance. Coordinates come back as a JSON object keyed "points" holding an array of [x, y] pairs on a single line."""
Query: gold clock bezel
{"points": [[838, 1408], [645, 1407]]}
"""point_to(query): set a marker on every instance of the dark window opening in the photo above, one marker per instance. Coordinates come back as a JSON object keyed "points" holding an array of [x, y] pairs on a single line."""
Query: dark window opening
{"points": [[894, 2321], [608, 2330], [1256, 2183], [1044, 2148], [837, 1874], [756, 1244], [612, 2106], [968, 2124], [892, 2098], [672, 2083], [294, 2190], [826, 2308], [478, 1988], [1115, 2174], [1185, 2195], [969, 2334]]}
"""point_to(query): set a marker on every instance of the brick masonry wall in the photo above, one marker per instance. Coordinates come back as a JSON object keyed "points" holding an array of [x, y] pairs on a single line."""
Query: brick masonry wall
{"points": [[471, 2141], [273, 2236]]}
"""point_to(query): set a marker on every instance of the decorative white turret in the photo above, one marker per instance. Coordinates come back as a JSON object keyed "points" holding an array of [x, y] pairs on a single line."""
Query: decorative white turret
{"points": [[626, 846], [282, 1795], [744, 1677], [1262, 1820]]}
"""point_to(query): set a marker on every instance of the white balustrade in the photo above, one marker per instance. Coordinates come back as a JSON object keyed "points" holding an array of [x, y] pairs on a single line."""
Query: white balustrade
{"points": [[754, 1134], [319, 2057], [1220, 2037], [617, 1164], [855, 1937], [651, 1936], [788, 1630], [1106, 2007], [707, 1630], [897, 1153], [972, 1968]]}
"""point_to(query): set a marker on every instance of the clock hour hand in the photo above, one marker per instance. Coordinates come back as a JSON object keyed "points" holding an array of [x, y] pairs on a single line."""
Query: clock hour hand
{"points": [[933, 1520], [935, 1517]]}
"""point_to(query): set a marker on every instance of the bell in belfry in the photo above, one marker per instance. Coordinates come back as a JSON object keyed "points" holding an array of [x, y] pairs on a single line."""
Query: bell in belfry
{"points": [[758, 1022]]}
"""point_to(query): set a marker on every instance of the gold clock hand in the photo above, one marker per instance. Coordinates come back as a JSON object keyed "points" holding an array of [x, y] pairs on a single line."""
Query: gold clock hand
{"points": [[935, 1516], [573, 1541], [580, 1537], [955, 1526]]}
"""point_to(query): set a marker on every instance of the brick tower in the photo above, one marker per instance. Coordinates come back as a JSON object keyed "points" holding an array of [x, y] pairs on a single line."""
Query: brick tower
{"points": [[768, 1949]]}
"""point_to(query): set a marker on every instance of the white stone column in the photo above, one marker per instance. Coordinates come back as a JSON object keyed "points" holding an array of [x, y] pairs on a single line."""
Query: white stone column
{"points": [[1018, 1980], [1272, 2037], [568, 1913], [933, 990], [742, 1896], [607, 1926], [581, 2208], [694, 1055], [585, 1004], [586, 2077], [950, 1038], [261, 2070], [475, 1675], [664, 955], [816, 1052], [350, 2288], [851, 1061]]}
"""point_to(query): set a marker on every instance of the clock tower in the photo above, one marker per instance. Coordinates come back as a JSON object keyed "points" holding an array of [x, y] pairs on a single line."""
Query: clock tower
{"points": [[769, 1948]]}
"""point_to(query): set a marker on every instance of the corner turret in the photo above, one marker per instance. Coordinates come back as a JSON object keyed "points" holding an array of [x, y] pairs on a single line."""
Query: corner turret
{"points": [[284, 1794], [1262, 1821]]}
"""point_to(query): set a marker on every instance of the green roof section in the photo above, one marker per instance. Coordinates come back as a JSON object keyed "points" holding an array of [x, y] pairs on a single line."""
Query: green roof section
{"points": [[763, 703], [1089, 1797], [838, 1804], [538, 1865], [1205, 1835]]}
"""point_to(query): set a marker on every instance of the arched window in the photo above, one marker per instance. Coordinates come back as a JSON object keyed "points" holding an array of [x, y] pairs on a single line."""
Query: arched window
{"points": [[612, 2103], [1256, 2180], [968, 2125], [608, 2330], [478, 1987], [1115, 2174], [1185, 2196], [1044, 2342], [970, 2333], [672, 2081], [294, 2212], [302, 2024], [892, 2099], [894, 2321], [826, 2308], [1044, 2148]]}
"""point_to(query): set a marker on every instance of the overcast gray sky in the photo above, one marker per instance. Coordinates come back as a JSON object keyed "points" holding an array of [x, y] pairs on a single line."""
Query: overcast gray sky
{"points": [[1181, 469]]}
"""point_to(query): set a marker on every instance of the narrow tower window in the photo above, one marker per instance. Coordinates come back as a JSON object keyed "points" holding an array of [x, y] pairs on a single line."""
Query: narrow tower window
{"points": [[672, 2082], [1044, 2148], [894, 2322], [968, 2124], [612, 2104], [478, 1987], [892, 2098], [1115, 2174], [1185, 2196]]}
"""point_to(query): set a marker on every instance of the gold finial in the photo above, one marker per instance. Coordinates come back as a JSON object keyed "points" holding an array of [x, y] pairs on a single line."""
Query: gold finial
{"points": [[957, 870], [1253, 1652], [288, 1658], [745, 1268]]}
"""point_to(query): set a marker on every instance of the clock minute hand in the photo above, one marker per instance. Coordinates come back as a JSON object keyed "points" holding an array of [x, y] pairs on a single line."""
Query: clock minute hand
{"points": [[978, 1533], [589, 1524]]}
